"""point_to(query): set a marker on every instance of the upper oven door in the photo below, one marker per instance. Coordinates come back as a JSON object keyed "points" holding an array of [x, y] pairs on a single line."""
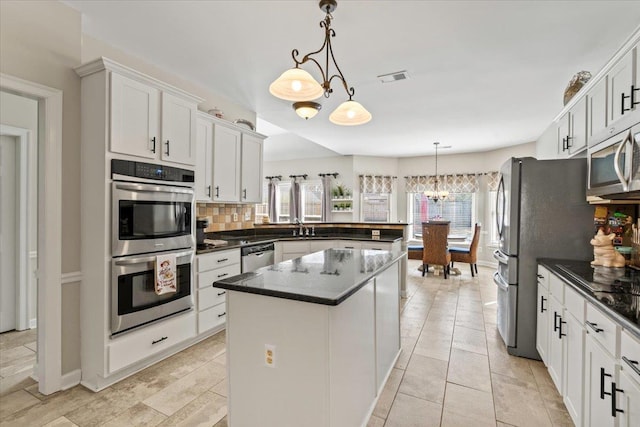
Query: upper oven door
{"points": [[150, 218], [610, 165]]}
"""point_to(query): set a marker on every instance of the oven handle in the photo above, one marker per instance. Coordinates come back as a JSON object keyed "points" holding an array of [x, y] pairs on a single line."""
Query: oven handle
{"points": [[146, 188], [140, 260], [616, 161]]}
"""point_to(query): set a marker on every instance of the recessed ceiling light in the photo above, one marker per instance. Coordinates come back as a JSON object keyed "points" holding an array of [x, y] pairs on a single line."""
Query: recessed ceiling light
{"points": [[394, 77]]}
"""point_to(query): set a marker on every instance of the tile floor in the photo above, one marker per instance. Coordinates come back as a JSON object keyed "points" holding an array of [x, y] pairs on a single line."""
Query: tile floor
{"points": [[453, 371]]}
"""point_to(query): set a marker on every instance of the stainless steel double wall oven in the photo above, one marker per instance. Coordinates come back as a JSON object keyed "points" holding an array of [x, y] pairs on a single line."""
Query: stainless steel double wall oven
{"points": [[152, 214]]}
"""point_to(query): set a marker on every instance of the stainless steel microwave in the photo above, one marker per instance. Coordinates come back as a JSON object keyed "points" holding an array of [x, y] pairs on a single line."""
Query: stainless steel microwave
{"points": [[614, 166]]}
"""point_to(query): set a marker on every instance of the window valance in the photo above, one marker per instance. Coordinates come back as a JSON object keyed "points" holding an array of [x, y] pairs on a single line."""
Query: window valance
{"points": [[493, 180], [454, 183], [376, 183]]}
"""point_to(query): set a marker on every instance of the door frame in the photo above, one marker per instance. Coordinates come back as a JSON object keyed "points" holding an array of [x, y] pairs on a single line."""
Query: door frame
{"points": [[49, 369], [23, 139]]}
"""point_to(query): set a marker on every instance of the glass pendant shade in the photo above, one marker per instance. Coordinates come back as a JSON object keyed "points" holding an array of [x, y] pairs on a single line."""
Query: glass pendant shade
{"points": [[306, 109], [350, 113], [296, 84]]}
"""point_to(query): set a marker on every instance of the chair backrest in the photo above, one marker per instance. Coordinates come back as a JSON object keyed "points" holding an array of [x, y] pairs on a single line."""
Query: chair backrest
{"points": [[434, 243], [473, 248]]}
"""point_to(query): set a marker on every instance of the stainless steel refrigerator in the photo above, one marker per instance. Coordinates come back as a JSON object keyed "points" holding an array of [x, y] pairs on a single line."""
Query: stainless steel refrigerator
{"points": [[541, 212]]}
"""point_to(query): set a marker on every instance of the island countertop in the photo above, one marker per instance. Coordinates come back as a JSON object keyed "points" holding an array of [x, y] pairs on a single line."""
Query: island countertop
{"points": [[326, 277]]}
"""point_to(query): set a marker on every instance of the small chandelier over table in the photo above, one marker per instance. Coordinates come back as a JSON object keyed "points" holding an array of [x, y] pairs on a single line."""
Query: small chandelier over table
{"points": [[437, 194], [299, 86]]}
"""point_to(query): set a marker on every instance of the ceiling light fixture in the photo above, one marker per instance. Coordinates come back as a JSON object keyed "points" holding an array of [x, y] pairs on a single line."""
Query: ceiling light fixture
{"points": [[299, 86], [437, 194]]}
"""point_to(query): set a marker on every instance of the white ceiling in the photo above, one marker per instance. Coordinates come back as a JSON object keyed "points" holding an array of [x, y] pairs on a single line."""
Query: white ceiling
{"points": [[483, 74]]}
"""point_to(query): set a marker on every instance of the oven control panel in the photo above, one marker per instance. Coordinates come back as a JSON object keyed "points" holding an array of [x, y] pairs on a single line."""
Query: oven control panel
{"points": [[150, 171]]}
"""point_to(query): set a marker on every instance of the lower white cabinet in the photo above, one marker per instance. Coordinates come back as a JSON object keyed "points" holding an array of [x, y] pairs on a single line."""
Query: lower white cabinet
{"points": [[573, 367], [214, 266], [629, 400], [148, 341], [556, 356], [542, 328], [600, 378]]}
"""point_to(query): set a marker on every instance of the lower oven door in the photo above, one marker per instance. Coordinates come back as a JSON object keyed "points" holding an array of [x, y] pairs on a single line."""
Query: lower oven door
{"points": [[134, 301]]}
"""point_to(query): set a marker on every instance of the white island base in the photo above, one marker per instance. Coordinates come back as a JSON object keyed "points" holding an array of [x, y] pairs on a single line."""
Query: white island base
{"points": [[328, 363]]}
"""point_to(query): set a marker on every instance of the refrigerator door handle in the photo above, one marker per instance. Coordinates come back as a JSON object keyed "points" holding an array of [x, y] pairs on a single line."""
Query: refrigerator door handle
{"points": [[500, 213], [498, 280], [500, 257]]}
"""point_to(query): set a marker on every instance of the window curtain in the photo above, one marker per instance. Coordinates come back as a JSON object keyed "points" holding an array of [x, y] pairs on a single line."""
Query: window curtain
{"points": [[376, 184], [453, 183], [295, 201], [493, 179], [272, 192], [326, 179]]}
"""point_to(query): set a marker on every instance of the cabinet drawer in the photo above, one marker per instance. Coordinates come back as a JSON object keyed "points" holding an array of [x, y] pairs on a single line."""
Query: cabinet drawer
{"points": [[218, 259], [574, 303], [556, 288], [629, 353], [543, 277], [320, 245], [207, 278], [603, 329], [153, 339], [377, 246], [212, 317], [210, 296]]}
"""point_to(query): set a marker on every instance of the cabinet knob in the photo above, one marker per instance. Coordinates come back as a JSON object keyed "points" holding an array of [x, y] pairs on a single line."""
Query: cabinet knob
{"points": [[244, 193], [158, 340], [594, 326], [622, 98], [614, 392], [542, 300], [208, 191], [153, 148], [602, 375], [223, 314], [167, 153], [633, 94], [217, 191]]}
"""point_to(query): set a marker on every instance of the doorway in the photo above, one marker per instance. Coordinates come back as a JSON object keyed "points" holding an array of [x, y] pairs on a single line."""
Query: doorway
{"points": [[47, 146]]}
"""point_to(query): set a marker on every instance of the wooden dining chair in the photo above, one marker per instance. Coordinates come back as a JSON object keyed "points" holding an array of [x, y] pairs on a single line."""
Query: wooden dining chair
{"points": [[470, 255], [435, 248]]}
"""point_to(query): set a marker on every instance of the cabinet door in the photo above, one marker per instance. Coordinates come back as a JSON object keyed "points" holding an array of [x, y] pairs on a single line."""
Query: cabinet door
{"points": [[556, 343], [178, 130], [226, 164], [542, 328], [350, 244], [578, 127], [620, 81], [599, 376], [563, 135], [134, 117], [597, 99], [204, 161], [629, 401], [251, 169], [573, 367]]}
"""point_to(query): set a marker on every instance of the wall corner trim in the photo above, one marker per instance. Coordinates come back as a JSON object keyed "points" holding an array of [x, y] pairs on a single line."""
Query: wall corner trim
{"points": [[71, 379]]}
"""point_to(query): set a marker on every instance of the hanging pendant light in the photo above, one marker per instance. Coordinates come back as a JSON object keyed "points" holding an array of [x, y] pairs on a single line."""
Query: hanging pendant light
{"points": [[437, 194], [298, 85]]}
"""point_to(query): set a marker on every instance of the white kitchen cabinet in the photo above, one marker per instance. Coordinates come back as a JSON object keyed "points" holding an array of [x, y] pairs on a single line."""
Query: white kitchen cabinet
{"points": [[226, 163], [572, 130], [204, 160], [542, 329], [629, 396], [573, 367], [321, 245], [564, 126], [600, 374], [140, 127], [251, 166], [556, 351], [211, 306], [178, 129], [597, 101], [621, 78]]}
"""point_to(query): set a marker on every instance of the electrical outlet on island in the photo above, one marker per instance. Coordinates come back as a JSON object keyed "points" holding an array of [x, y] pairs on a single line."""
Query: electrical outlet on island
{"points": [[235, 216]]}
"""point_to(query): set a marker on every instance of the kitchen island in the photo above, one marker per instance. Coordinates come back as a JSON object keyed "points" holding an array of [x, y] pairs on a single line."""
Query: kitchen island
{"points": [[311, 341]]}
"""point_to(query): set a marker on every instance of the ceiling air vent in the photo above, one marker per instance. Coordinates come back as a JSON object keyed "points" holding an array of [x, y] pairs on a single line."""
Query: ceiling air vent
{"points": [[393, 77]]}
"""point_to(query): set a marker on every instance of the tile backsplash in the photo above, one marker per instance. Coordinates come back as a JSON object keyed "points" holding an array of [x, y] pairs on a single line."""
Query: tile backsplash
{"points": [[221, 216]]}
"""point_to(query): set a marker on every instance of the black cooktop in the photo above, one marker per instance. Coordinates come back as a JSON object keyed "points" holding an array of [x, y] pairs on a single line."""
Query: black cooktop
{"points": [[617, 288]]}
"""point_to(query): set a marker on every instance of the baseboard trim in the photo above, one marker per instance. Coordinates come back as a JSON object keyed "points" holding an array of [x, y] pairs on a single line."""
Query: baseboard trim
{"points": [[488, 264], [73, 277], [71, 379]]}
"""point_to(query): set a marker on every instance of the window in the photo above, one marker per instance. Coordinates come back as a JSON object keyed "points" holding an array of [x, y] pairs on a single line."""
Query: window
{"points": [[311, 201], [375, 207], [458, 208], [282, 201]]}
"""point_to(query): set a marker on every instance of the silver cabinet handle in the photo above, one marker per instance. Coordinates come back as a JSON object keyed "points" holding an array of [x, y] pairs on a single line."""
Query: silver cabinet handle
{"points": [[140, 260], [147, 188]]}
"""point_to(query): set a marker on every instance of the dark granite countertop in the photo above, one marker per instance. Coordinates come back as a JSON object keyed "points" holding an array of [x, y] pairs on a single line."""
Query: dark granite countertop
{"points": [[326, 277], [615, 291], [235, 242]]}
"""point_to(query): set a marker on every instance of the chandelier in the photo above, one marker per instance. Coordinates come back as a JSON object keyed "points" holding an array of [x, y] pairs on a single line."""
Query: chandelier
{"points": [[437, 194], [299, 86]]}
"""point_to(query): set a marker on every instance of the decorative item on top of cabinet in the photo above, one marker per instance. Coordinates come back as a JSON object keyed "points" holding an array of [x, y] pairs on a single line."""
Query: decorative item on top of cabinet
{"points": [[575, 84]]}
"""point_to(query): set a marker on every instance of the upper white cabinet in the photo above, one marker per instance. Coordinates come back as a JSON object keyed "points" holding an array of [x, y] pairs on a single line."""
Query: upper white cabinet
{"points": [[621, 80], [178, 129], [229, 162], [226, 163], [134, 117], [149, 122], [597, 98], [251, 179]]}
